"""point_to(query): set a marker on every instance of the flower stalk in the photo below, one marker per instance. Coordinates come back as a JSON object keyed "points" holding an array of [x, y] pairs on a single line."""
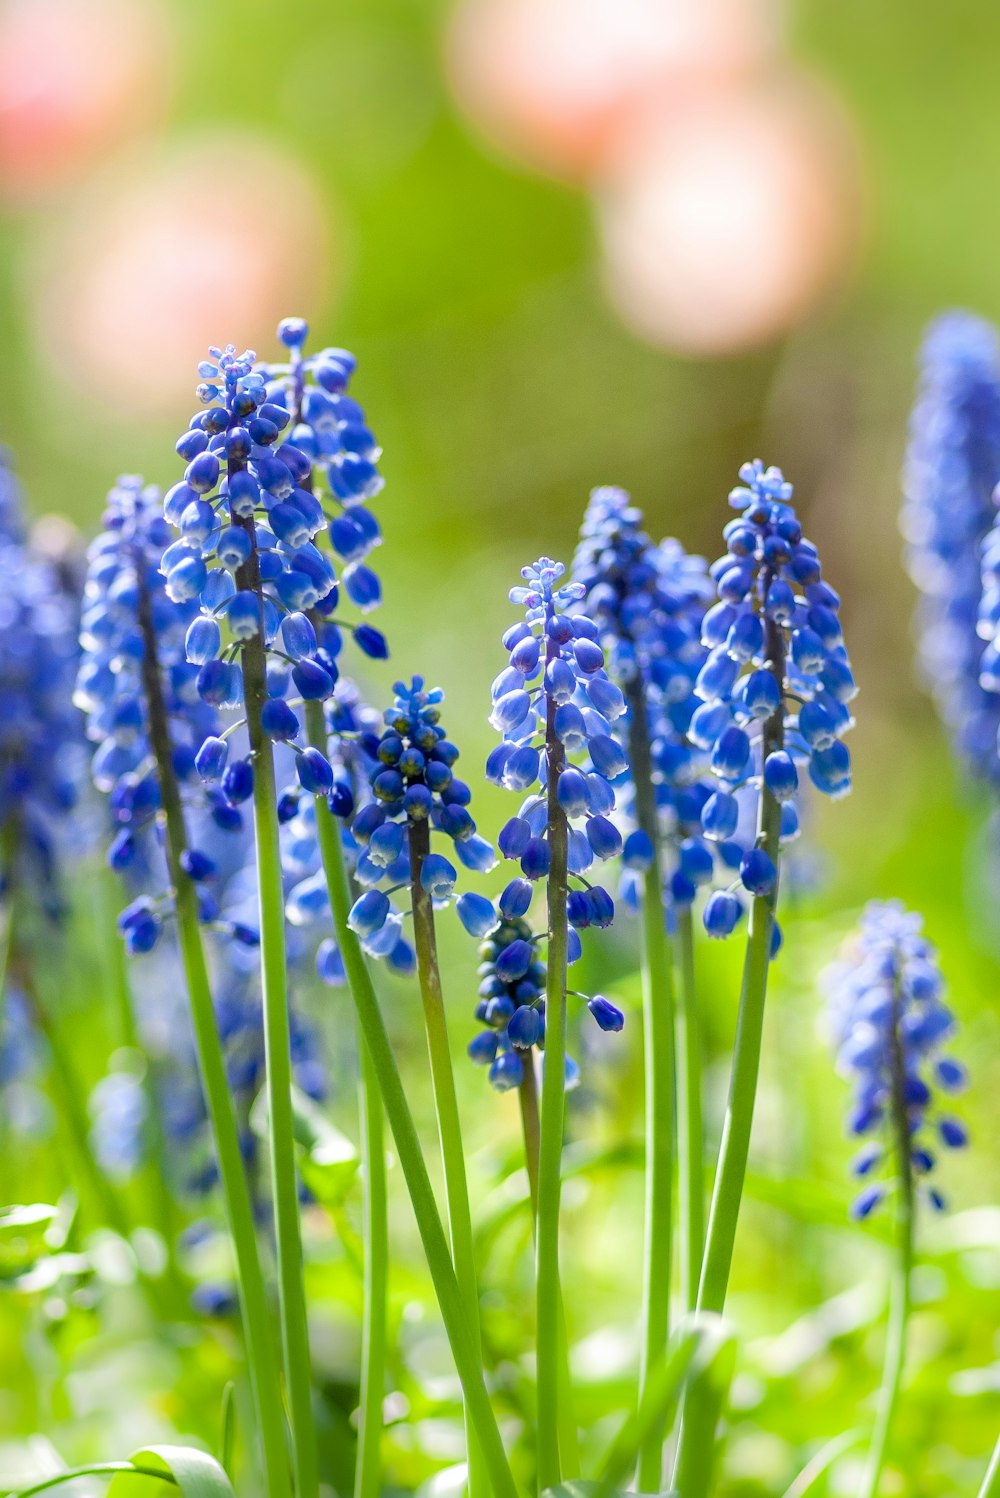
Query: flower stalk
{"points": [[547, 1291], [261, 1353], [449, 1295], [277, 1041], [658, 1034], [446, 1107]]}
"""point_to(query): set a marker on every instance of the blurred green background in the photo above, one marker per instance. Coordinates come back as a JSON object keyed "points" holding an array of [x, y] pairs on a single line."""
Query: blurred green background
{"points": [[503, 386]]}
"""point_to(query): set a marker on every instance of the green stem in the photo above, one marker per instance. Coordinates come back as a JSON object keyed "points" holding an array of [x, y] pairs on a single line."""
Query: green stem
{"points": [[368, 1471], [690, 1141], [734, 1148], [446, 1107], [569, 1441], [98, 1469], [547, 1294], [277, 1051], [261, 1356], [658, 1029], [899, 1302], [411, 1160]]}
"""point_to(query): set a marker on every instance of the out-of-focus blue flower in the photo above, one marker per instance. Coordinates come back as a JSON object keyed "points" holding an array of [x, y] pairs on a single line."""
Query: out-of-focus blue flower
{"points": [[124, 586], [952, 467], [648, 603], [776, 655], [42, 758], [889, 1024], [118, 1113]]}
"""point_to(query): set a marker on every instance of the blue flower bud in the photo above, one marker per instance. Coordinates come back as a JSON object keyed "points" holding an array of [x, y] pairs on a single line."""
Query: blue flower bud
{"points": [[438, 876], [369, 913], [757, 872], [314, 771], [605, 1013], [525, 1028], [210, 761], [721, 914], [278, 720], [604, 837], [476, 913]]}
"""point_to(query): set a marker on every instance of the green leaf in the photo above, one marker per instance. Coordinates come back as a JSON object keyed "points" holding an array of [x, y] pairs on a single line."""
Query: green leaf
{"points": [[327, 1159], [662, 1393], [582, 1488], [193, 1472], [22, 1236]]}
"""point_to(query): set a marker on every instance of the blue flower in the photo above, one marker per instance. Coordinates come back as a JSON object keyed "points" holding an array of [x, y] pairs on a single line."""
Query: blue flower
{"points": [[279, 455], [648, 603], [889, 1023], [775, 686], [412, 781], [126, 601], [42, 756], [511, 1001], [952, 467]]}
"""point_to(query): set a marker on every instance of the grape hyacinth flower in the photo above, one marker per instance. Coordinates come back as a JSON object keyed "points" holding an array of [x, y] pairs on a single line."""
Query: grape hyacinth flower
{"points": [[648, 603], [42, 759], [950, 473], [149, 718], [249, 510], [889, 1024], [552, 704], [133, 637], [415, 792], [774, 692], [774, 689]]}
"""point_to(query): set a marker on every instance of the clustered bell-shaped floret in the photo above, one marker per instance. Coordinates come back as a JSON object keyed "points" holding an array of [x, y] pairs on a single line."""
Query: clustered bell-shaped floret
{"points": [[353, 735], [889, 1024], [512, 978], [412, 780], [775, 650], [250, 509], [648, 603], [556, 669], [952, 467], [124, 578], [42, 758]]}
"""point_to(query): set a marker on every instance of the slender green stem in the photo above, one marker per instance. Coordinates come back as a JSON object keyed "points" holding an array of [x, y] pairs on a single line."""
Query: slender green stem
{"points": [[411, 1160], [899, 1301], [368, 1471], [530, 1129], [658, 1031], [261, 1352], [690, 1140], [446, 1107], [277, 1053], [547, 1294], [569, 1441], [98, 1469], [734, 1148]]}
